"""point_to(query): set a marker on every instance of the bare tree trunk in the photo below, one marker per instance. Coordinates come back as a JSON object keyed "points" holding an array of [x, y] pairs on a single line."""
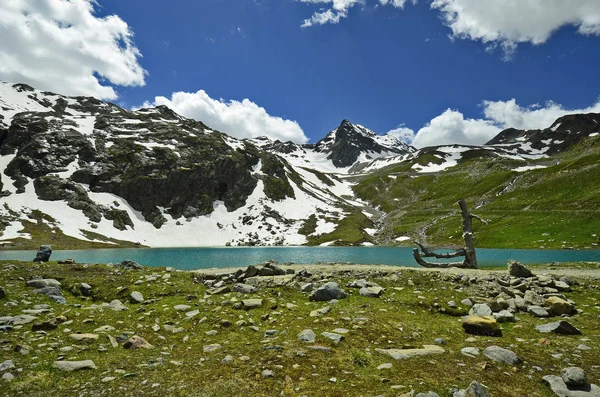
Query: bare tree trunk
{"points": [[470, 261], [470, 257]]}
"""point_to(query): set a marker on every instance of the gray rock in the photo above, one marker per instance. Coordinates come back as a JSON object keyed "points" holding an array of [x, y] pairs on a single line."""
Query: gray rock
{"points": [[136, 297], [8, 376], [504, 316], [85, 289], [320, 312], [467, 302], [401, 354], [43, 254], [251, 271], [537, 311], [244, 288], [252, 303], [327, 292], [439, 341], [385, 366], [573, 376], [558, 327], [74, 365], [560, 388], [53, 293], [129, 265], [182, 308], [2, 293], [499, 354], [307, 336], [336, 338], [211, 348], [480, 309], [562, 286], [428, 394], [43, 283], [475, 389], [452, 304], [470, 351], [267, 373], [516, 269], [228, 359], [373, 292], [117, 306], [20, 319], [6, 365], [534, 298], [308, 287]]}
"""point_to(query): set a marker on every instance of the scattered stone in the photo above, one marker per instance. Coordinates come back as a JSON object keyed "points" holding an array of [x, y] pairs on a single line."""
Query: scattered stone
{"points": [[84, 337], [249, 304], [561, 389], [478, 325], [8, 377], [385, 366], [211, 348], [251, 271], [372, 292], [452, 304], [480, 309], [320, 348], [244, 288], [307, 336], [537, 311], [341, 331], [117, 306], [573, 376], [43, 254], [6, 365], [308, 287], [85, 289], [439, 341], [559, 327], [19, 319], [467, 302], [228, 359], [136, 297], [428, 394], [129, 265], [516, 269], [53, 293], [561, 286], [320, 312], [470, 351], [218, 291], [533, 298], [2, 293], [74, 365], [400, 354], [182, 308], [267, 373], [136, 342], [336, 338], [504, 316], [327, 292], [499, 354], [105, 328], [45, 326], [558, 306], [476, 389]]}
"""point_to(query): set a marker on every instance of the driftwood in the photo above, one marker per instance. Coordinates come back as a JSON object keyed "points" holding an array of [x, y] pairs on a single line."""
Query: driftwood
{"points": [[468, 252]]}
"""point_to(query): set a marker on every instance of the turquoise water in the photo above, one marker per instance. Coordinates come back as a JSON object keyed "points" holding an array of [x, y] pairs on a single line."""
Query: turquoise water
{"points": [[203, 258]]}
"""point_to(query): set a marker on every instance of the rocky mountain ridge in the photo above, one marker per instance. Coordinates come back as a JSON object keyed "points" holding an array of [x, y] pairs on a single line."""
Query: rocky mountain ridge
{"points": [[92, 171]]}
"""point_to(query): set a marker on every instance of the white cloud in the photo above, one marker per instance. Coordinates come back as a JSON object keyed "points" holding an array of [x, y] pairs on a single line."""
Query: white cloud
{"points": [[452, 127], [509, 114], [61, 46], [339, 9], [510, 22], [243, 119], [402, 133]]}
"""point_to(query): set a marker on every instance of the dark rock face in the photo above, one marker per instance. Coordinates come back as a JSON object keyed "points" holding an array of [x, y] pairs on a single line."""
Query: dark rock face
{"points": [[564, 133], [516, 269], [348, 142], [558, 327], [43, 254]]}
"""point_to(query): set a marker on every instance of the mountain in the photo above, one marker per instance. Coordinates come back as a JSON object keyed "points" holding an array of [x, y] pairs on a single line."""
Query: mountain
{"points": [[78, 172]]}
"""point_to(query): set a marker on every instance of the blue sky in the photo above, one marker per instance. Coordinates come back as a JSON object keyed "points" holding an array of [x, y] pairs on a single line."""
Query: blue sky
{"points": [[379, 65]]}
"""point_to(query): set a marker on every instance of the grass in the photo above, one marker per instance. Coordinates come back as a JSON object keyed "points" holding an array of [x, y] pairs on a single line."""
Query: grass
{"points": [[554, 207], [408, 315]]}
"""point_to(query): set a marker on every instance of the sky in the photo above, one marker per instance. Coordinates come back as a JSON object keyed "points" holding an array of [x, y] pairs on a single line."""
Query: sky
{"points": [[426, 71]]}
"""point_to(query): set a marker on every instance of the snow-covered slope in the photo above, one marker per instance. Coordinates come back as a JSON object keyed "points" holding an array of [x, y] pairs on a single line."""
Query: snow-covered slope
{"points": [[148, 176]]}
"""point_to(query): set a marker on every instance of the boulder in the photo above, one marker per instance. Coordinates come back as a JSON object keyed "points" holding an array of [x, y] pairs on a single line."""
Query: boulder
{"points": [[499, 354], [401, 354], [251, 271], [476, 389], [43, 254], [327, 292], [136, 297], [53, 293], [244, 288], [537, 311], [117, 305], [85, 289], [573, 376], [480, 309], [252, 303], [559, 327], [373, 292], [336, 338], [558, 306], [561, 389], [504, 316], [43, 283], [516, 269], [307, 336], [481, 325], [74, 365], [136, 342], [129, 265]]}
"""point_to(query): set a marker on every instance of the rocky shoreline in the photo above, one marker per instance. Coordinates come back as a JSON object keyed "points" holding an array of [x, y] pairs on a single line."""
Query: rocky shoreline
{"points": [[327, 329]]}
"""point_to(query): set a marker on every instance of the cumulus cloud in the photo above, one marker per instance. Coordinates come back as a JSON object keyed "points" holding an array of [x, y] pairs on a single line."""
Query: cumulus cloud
{"points": [[452, 127], [402, 133], [243, 119], [61, 46], [508, 23], [338, 9]]}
